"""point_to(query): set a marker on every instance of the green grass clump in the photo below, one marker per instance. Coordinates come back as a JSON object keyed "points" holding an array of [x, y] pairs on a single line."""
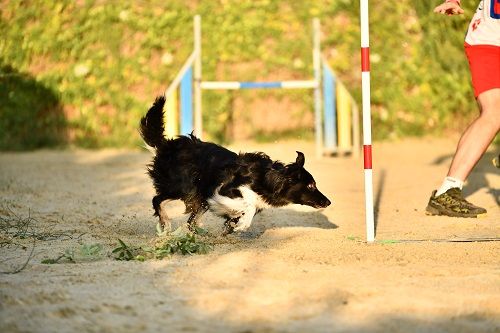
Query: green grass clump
{"points": [[82, 253], [124, 251], [180, 241]]}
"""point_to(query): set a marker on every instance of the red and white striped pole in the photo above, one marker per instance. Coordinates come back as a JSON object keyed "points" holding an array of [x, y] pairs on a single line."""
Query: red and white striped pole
{"points": [[367, 126]]}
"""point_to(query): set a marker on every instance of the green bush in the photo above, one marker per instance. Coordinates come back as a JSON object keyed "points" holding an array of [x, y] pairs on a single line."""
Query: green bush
{"points": [[83, 72]]}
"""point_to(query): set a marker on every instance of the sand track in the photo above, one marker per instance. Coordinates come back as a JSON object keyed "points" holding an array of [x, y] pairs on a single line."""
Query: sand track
{"points": [[295, 270]]}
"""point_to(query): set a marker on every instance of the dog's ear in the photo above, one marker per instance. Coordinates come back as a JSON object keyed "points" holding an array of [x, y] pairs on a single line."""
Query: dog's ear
{"points": [[300, 159]]}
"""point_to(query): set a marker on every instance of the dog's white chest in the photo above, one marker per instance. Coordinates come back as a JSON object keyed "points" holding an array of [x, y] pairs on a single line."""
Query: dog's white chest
{"points": [[237, 207]]}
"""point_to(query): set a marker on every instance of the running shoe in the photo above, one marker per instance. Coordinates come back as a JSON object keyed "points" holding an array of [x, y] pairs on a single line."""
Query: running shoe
{"points": [[452, 203]]}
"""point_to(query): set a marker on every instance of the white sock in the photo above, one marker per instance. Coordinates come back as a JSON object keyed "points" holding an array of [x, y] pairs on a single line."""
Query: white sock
{"points": [[449, 182]]}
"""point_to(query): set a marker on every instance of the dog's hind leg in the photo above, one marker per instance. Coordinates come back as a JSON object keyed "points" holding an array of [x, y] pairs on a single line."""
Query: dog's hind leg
{"points": [[162, 215], [157, 200], [195, 215]]}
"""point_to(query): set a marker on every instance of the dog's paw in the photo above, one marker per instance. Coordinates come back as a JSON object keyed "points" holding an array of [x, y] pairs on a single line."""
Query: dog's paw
{"points": [[242, 226]]}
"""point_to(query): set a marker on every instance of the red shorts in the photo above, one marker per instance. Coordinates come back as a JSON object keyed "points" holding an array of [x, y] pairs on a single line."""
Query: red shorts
{"points": [[484, 64]]}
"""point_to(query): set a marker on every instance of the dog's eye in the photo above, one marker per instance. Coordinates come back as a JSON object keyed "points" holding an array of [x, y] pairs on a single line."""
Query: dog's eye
{"points": [[311, 186]]}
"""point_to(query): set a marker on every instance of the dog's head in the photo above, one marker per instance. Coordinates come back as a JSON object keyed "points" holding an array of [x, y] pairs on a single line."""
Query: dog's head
{"points": [[299, 186]]}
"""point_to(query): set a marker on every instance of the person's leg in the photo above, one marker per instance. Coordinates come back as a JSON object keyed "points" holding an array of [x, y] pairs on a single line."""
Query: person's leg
{"points": [[478, 136], [485, 73], [448, 199]]}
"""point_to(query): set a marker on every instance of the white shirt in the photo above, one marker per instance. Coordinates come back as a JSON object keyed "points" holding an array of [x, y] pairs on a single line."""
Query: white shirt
{"points": [[484, 28]]}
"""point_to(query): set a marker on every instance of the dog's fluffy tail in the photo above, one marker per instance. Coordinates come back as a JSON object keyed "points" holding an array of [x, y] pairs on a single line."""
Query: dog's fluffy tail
{"points": [[152, 125]]}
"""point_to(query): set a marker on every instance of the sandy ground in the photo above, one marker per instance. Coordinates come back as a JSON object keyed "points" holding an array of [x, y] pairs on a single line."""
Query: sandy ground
{"points": [[295, 270]]}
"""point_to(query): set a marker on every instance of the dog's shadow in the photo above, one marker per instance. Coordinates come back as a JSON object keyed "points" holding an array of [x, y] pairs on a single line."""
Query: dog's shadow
{"points": [[285, 218], [271, 218]]}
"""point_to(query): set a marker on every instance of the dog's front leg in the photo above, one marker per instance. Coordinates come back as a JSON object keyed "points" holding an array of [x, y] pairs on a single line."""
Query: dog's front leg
{"points": [[245, 220], [195, 215], [229, 225]]}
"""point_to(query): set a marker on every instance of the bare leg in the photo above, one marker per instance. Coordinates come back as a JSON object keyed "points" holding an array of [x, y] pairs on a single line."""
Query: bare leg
{"points": [[478, 136]]}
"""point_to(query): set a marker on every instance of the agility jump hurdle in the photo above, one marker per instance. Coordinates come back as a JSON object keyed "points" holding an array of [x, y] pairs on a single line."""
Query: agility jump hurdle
{"points": [[336, 113], [182, 85], [340, 116]]}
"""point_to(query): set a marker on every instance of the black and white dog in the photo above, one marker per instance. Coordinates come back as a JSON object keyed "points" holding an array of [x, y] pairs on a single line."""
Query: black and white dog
{"points": [[207, 176]]}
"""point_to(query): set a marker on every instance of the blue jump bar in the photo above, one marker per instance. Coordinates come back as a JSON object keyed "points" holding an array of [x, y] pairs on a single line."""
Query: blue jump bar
{"points": [[187, 102], [253, 85], [330, 110]]}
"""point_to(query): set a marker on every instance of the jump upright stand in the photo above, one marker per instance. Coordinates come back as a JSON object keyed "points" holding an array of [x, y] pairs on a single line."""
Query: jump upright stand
{"points": [[367, 126], [336, 122]]}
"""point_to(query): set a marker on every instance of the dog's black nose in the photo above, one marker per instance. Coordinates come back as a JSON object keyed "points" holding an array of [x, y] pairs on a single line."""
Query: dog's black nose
{"points": [[326, 203]]}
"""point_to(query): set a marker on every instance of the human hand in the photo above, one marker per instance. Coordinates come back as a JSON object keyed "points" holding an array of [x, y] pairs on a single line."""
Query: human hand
{"points": [[449, 8]]}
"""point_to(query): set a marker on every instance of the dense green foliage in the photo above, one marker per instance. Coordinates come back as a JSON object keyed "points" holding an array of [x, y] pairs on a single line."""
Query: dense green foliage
{"points": [[84, 72]]}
